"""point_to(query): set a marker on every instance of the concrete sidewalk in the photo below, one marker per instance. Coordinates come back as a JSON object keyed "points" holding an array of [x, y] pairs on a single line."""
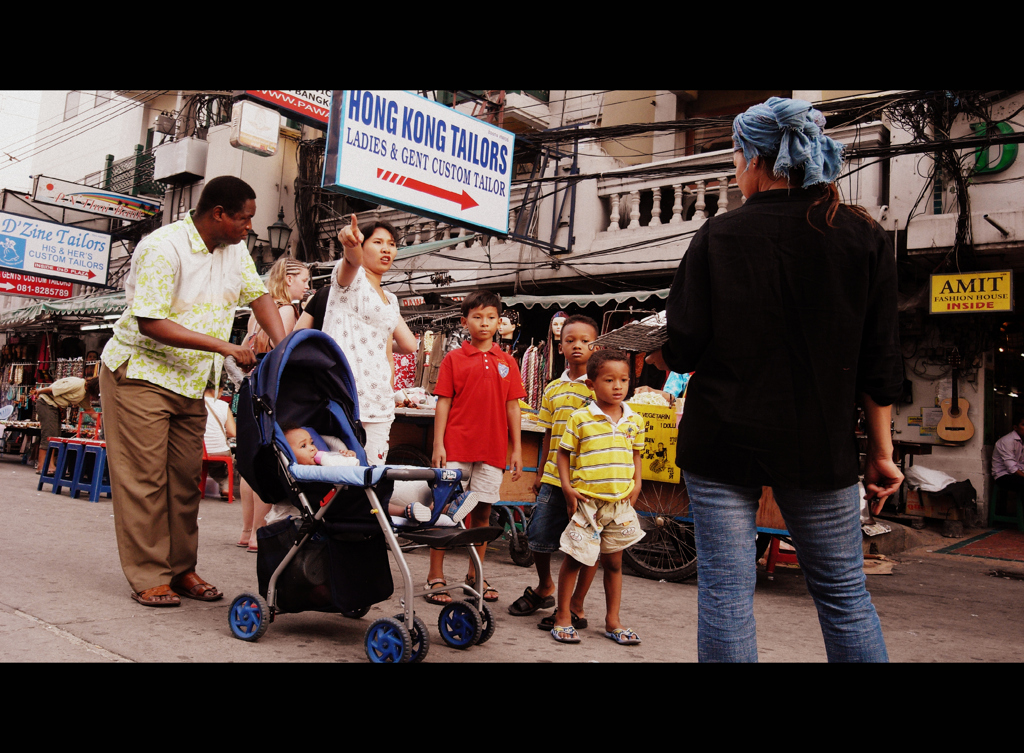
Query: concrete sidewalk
{"points": [[63, 598]]}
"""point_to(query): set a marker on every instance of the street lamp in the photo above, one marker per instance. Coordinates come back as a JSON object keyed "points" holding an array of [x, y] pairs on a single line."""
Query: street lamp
{"points": [[279, 233]]}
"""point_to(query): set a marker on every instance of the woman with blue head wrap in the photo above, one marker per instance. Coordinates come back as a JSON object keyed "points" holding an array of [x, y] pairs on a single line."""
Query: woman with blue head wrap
{"points": [[785, 311], [790, 131]]}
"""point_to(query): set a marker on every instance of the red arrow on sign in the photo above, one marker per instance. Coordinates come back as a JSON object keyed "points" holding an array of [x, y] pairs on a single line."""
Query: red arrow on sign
{"points": [[66, 270], [464, 200]]}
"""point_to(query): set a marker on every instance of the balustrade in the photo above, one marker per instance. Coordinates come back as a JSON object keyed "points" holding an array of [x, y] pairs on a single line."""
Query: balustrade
{"points": [[646, 206]]}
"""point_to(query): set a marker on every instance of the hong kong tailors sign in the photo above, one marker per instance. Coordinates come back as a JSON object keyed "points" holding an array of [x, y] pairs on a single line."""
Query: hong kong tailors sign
{"points": [[399, 149], [49, 249], [973, 292]]}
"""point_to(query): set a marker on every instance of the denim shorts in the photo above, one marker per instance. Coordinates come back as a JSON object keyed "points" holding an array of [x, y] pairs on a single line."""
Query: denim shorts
{"points": [[549, 520]]}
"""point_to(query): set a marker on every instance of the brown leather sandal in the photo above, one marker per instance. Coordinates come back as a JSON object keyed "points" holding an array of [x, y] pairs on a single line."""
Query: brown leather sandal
{"points": [[158, 596], [191, 586]]}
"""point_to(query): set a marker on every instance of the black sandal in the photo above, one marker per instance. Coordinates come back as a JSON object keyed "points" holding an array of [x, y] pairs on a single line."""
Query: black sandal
{"points": [[548, 623], [437, 598], [530, 602]]}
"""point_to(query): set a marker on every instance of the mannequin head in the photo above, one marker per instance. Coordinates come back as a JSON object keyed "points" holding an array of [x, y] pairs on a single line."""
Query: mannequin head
{"points": [[557, 321], [506, 328]]}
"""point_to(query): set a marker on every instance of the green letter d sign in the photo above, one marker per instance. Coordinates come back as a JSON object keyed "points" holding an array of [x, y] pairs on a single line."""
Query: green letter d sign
{"points": [[981, 164]]}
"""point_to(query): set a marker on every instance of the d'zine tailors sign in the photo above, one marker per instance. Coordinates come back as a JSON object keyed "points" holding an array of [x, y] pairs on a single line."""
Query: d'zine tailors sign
{"points": [[399, 149], [94, 200], [49, 249]]}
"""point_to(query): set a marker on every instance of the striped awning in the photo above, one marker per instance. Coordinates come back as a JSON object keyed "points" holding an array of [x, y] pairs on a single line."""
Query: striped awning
{"points": [[565, 299], [97, 305]]}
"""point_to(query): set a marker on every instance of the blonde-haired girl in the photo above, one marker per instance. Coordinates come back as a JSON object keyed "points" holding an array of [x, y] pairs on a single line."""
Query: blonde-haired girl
{"points": [[287, 282]]}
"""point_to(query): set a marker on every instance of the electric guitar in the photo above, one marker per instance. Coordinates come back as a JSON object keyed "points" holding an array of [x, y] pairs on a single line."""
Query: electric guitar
{"points": [[954, 426]]}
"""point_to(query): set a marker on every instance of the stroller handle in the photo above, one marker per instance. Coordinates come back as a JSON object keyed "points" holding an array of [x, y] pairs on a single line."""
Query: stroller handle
{"points": [[411, 473]]}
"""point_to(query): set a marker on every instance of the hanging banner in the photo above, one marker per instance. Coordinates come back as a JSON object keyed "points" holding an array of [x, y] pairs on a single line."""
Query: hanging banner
{"points": [[94, 200], [49, 249], [659, 454], [970, 293], [399, 149]]}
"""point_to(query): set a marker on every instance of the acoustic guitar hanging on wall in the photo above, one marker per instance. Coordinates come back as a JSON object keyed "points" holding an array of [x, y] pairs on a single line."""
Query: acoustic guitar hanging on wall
{"points": [[955, 426]]}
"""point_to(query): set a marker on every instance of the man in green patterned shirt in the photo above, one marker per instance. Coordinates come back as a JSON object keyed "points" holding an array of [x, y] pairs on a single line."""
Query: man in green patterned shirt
{"points": [[186, 281]]}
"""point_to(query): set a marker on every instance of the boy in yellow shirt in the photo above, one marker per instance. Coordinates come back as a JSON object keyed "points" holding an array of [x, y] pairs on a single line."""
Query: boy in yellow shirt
{"points": [[562, 397], [599, 469]]}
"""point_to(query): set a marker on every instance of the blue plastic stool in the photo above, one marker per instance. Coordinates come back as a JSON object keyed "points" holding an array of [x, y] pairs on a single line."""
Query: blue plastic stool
{"points": [[58, 446], [95, 484], [69, 470]]}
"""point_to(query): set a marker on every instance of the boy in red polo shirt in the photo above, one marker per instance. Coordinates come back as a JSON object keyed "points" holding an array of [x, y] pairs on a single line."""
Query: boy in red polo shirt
{"points": [[477, 420]]}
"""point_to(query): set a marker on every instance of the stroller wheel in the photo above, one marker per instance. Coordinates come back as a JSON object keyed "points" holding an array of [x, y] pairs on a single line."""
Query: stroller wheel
{"points": [[459, 624], [355, 614], [387, 641], [249, 617], [420, 639], [486, 625]]}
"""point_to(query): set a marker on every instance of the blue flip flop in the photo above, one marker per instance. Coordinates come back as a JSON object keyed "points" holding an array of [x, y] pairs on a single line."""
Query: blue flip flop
{"points": [[623, 636], [569, 634]]}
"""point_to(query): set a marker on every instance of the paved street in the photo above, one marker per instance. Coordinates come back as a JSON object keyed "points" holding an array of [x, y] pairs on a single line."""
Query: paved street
{"points": [[63, 598]]}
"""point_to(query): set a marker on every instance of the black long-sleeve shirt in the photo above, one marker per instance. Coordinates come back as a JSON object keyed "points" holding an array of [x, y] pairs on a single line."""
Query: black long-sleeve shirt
{"points": [[784, 326]]}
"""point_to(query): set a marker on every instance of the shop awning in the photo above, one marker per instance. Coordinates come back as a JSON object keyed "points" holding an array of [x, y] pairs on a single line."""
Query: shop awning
{"points": [[97, 305], [547, 301]]}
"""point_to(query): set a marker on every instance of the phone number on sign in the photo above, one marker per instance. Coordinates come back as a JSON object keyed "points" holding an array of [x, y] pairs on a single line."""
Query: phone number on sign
{"points": [[41, 290]]}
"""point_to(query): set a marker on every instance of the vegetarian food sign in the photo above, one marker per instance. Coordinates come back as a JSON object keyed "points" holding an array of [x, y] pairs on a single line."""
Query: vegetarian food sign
{"points": [[968, 293], [658, 458], [399, 149], [49, 249]]}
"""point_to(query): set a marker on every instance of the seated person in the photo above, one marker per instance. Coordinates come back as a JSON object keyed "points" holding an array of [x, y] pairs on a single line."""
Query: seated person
{"points": [[1008, 459], [411, 499]]}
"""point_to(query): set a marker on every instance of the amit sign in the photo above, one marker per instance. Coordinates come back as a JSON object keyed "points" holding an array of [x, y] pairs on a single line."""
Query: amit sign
{"points": [[968, 293]]}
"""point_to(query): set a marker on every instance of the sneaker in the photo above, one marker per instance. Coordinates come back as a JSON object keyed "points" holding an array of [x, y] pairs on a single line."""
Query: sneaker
{"points": [[418, 512], [461, 506]]}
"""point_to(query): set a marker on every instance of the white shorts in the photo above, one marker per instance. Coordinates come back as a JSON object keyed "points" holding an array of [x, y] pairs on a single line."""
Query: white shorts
{"points": [[481, 478]]}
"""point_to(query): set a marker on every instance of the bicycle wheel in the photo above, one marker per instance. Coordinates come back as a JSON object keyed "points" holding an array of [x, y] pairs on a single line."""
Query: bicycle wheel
{"points": [[406, 454], [518, 545], [667, 551]]}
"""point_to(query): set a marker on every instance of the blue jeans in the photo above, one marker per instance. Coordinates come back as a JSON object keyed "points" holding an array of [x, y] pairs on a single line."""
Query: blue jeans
{"points": [[549, 520], [825, 529]]}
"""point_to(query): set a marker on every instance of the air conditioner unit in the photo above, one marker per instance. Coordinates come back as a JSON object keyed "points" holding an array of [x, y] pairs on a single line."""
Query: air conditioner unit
{"points": [[181, 162]]}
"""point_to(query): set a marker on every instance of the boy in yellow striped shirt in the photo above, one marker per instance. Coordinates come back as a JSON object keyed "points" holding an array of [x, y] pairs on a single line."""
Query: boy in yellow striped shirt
{"points": [[562, 397], [599, 469]]}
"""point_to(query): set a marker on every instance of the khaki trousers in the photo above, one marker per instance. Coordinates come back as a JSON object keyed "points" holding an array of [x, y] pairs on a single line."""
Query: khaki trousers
{"points": [[154, 453]]}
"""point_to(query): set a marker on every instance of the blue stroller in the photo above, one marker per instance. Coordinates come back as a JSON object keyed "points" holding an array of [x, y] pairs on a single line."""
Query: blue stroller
{"points": [[332, 554]]}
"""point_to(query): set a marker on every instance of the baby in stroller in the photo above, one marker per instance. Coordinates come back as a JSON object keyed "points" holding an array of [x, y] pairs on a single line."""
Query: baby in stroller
{"points": [[410, 500]]}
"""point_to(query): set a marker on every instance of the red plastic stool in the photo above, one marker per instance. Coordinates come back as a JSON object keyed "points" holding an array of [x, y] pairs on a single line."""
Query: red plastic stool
{"points": [[776, 556]]}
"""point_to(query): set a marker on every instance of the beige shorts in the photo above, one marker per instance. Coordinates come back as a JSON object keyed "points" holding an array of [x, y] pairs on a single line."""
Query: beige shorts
{"points": [[481, 478], [599, 527]]}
